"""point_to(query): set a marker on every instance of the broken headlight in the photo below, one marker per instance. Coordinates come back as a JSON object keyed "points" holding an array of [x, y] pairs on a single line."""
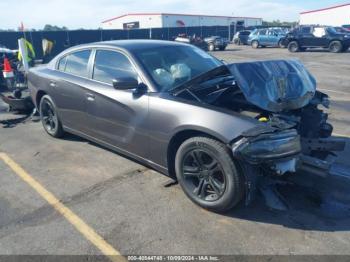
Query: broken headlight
{"points": [[267, 147]]}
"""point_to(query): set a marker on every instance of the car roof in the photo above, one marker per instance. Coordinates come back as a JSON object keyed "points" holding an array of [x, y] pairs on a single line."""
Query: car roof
{"points": [[131, 45]]}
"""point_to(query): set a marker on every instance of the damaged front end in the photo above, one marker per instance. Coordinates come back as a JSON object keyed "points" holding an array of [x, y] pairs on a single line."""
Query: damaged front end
{"points": [[294, 142]]}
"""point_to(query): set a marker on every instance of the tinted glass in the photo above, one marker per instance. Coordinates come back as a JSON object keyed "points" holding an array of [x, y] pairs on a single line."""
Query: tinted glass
{"points": [[262, 32], [334, 30], [110, 65], [77, 63], [305, 30], [171, 66], [62, 64]]}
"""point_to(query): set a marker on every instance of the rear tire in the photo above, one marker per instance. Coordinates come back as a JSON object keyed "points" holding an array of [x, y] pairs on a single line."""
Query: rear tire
{"points": [[208, 175], [335, 47], [255, 44], [49, 117], [211, 47], [293, 47], [280, 44]]}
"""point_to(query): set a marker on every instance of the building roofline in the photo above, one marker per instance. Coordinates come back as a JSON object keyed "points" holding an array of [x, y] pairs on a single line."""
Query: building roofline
{"points": [[324, 9], [140, 14]]}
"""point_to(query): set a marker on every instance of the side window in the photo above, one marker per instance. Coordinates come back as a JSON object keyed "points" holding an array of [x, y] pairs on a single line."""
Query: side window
{"points": [[110, 65], [319, 32], [262, 32], [62, 63], [306, 30], [77, 63]]}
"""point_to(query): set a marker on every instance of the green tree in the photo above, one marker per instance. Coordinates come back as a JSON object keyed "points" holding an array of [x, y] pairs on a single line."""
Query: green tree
{"points": [[49, 27], [277, 23]]}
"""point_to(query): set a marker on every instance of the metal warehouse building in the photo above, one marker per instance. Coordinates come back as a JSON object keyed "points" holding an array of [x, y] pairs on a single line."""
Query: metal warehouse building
{"points": [[160, 20], [335, 16]]}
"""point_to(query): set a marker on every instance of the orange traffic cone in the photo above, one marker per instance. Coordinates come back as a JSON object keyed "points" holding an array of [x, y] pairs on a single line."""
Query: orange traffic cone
{"points": [[7, 72]]}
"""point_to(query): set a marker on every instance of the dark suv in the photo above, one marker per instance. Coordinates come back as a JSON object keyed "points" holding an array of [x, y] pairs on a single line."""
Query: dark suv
{"points": [[216, 42], [303, 37]]}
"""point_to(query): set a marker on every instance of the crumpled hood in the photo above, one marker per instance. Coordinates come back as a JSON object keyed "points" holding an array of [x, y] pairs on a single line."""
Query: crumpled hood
{"points": [[275, 85]]}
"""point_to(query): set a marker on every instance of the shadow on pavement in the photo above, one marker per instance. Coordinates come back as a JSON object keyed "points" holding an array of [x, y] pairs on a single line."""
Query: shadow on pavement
{"points": [[12, 122], [304, 212], [306, 209]]}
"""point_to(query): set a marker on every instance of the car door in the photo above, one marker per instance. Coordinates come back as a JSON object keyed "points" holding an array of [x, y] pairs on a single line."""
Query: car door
{"points": [[263, 38], [116, 117], [272, 37], [306, 38], [67, 85], [320, 37]]}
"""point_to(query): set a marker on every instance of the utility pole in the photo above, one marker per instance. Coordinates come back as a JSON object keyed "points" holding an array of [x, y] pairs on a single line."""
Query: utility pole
{"points": [[229, 30], [150, 28]]}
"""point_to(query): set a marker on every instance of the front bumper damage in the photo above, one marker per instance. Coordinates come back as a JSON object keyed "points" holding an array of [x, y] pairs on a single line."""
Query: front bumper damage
{"points": [[267, 148], [283, 156]]}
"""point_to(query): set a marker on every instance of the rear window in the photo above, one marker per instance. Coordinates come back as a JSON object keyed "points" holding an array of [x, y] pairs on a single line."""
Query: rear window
{"points": [[77, 63]]}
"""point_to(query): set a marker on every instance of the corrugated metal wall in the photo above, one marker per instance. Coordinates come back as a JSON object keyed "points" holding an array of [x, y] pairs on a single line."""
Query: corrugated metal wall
{"points": [[65, 39]]}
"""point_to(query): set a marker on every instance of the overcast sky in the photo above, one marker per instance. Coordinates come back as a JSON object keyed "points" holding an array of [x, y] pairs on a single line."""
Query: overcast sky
{"points": [[89, 13]]}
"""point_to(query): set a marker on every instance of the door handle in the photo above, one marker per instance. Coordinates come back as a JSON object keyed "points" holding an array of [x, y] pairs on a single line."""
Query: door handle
{"points": [[90, 97]]}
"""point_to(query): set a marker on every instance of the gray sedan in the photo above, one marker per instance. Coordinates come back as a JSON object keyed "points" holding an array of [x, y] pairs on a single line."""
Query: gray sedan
{"points": [[217, 129]]}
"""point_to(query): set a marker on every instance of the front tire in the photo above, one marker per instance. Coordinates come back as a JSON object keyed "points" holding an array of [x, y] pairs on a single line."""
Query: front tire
{"points": [[293, 47], [49, 117], [208, 175], [211, 47], [335, 47], [255, 44], [280, 44]]}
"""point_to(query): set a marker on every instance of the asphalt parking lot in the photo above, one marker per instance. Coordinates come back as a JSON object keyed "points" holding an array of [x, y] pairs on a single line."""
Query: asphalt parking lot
{"points": [[127, 205]]}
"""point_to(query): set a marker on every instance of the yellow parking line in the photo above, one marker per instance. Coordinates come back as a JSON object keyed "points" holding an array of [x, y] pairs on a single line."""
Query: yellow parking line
{"points": [[68, 214]]}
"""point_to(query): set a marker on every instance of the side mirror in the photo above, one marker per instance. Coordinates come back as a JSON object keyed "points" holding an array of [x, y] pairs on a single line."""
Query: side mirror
{"points": [[125, 83]]}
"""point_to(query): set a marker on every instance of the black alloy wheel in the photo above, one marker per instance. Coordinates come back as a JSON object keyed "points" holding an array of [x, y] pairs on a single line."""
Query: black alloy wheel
{"points": [[203, 175], [208, 175], [49, 117]]}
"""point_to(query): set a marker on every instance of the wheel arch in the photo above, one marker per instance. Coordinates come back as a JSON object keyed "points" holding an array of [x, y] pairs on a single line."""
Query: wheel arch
{"points": [[335, 40], [39, 96], [178, 138]]}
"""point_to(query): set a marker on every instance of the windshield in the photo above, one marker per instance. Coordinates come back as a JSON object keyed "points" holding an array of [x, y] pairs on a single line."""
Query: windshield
{"points": [[171, 66]]}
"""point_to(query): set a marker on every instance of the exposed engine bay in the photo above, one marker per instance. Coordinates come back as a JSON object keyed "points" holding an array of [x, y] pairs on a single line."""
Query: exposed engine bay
{"points": [[292, 136]]}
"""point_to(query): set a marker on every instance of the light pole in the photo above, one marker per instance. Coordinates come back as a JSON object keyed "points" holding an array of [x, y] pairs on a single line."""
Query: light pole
{"points": [[150, 28], [167, 24], [229, 29]]}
